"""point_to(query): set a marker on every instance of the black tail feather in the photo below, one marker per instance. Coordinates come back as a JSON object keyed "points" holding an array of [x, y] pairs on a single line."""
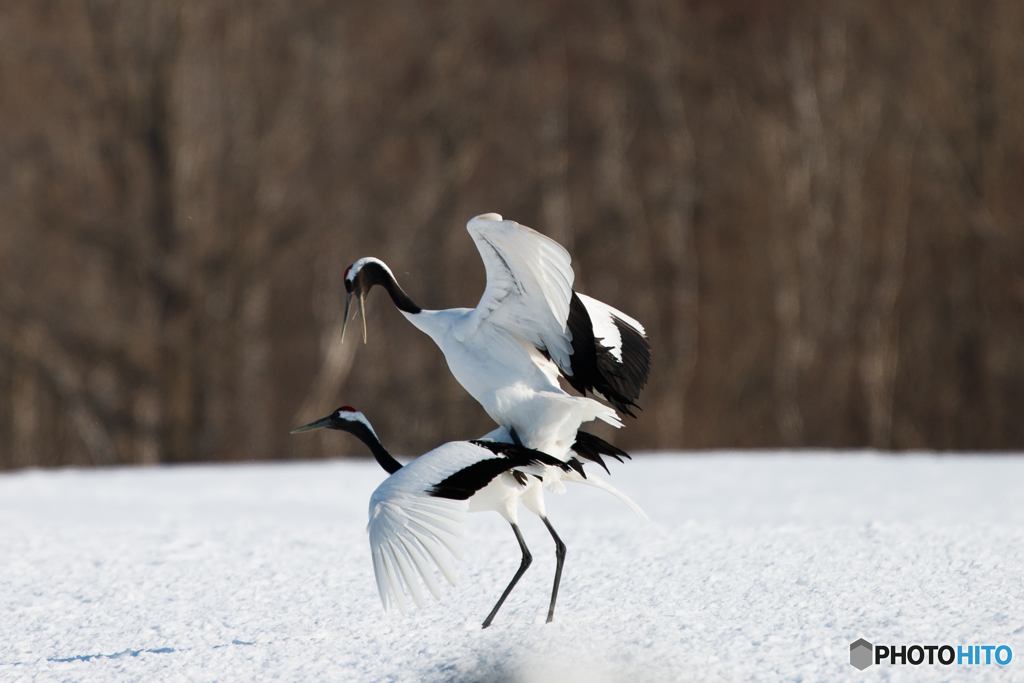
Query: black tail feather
{"points": [[590, 447]]}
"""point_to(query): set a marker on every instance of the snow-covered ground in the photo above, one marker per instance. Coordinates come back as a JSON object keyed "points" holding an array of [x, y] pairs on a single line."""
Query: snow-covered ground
{"points": [[753, 567]]}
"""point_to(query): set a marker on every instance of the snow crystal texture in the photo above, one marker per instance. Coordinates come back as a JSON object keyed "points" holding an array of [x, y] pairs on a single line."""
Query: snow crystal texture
{"points": [[754, 566]]}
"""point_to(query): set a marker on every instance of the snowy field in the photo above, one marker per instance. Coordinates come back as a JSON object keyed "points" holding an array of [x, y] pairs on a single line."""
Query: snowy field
{"points": [[753, 567]]}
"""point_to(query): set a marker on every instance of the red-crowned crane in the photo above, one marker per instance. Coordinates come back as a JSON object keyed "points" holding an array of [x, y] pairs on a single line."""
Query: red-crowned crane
{"points": [[416, 514], [528, 328]]}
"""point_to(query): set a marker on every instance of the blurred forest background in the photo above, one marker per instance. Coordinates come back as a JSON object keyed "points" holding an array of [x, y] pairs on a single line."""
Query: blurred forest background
{"points": [[815, 207]]}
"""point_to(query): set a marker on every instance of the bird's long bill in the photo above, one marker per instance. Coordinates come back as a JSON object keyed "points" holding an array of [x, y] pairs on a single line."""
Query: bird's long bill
{"points": [[362, 314], [344, 320], [322, 422]]}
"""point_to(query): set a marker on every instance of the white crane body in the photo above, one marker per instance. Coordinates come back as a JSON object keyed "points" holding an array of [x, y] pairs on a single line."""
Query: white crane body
{"points": [[529, 328], [513, 382], [416, 515]]}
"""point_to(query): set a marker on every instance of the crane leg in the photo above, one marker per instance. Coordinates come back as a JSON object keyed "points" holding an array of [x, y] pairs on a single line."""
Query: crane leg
{"points": [[560, 559], [527, 559]]}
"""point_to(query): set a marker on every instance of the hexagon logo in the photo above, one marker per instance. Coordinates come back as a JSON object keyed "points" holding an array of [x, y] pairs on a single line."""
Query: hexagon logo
{"points": [[861, 652]]}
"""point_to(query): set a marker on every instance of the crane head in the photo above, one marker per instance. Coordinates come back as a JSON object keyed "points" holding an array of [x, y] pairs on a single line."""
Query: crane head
{"points": [[346, 419], [360, 278]]}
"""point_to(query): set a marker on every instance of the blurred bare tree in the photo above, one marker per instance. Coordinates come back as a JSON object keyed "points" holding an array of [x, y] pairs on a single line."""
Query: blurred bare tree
{"points": [[817, 209]]}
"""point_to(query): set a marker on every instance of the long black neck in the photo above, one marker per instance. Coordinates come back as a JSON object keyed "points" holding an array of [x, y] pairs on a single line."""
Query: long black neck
{"points": [[376, 275], [400, 298], [364, 434]]}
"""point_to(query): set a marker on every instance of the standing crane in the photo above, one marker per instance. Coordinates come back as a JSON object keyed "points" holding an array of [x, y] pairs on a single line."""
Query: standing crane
{"points": [[416, 514]]}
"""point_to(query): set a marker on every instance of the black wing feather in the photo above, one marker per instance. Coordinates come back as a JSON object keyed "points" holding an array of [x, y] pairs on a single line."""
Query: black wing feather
{"points": [[595, 369], [467, 481]]}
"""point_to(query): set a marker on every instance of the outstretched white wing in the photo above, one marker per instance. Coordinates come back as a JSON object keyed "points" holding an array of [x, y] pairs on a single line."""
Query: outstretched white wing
{"points": [[409, 536], [529, 284], [416, 518], [411, 533]]}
